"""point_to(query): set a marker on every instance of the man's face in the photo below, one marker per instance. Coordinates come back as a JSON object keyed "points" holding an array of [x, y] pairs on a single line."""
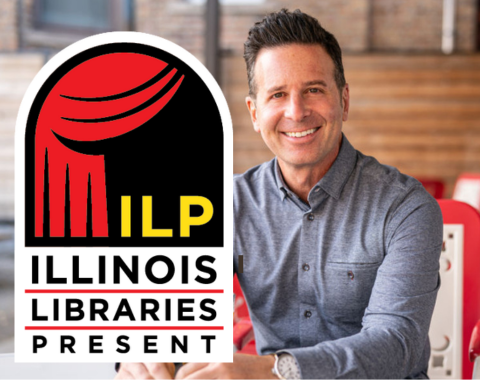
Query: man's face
{"points": [[298, 109]]}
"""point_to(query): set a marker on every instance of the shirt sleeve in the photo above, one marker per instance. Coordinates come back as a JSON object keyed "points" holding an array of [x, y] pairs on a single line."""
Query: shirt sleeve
{"points": [[394, 334]]}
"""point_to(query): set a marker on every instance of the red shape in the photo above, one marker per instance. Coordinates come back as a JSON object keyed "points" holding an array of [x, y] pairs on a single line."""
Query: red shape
{"points": [[455, 212], [474, 349], [435, 187], [101, 76], [243, 336]]}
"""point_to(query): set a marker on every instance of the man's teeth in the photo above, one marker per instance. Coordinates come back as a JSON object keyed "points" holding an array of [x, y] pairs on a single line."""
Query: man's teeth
{"points": [[300, 134]]}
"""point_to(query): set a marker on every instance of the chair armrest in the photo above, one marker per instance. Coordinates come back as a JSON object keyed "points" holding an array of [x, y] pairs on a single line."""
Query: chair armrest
{"points": [[240, 331], [474, 348]]}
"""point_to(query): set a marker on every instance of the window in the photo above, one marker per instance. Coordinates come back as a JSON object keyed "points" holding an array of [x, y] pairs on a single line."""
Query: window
{"points": [[81, 14], [229, 2], [84, 15], [55, 24]]}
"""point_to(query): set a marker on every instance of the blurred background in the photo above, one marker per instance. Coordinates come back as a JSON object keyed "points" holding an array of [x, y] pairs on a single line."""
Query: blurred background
{"points": [[413, 67]]}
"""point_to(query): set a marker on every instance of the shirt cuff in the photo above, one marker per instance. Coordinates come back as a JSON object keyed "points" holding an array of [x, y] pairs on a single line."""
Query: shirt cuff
{"points": [[311, 363]]}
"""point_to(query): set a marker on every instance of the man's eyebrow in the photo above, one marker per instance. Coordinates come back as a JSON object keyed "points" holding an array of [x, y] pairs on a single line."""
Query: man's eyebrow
{"points": [[276, 88], [316, 82]]}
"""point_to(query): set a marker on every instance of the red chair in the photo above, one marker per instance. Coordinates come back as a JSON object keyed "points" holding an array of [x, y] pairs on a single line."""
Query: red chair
{"points": [[243, 337], [467, 189], [435, 187], [474, 351], [458, 303]]}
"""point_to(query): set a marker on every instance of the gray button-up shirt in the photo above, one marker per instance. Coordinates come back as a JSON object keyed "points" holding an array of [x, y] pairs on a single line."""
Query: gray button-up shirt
{"points": [[346, 284]]}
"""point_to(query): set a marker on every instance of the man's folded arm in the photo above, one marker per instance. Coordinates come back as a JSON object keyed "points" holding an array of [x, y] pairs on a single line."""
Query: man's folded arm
{"points": [[394, 336]]}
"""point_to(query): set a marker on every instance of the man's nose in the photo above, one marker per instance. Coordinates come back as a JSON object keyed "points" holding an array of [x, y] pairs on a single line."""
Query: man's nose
{"points": [[297, 108]]}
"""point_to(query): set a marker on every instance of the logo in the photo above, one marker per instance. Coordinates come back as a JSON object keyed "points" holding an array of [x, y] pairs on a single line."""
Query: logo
{"points": [[133, 125], [123, 183]]}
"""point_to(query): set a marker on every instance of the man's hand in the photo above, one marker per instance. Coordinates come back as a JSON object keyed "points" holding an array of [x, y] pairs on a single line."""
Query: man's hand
{"points": [[243, 367], [146, 371]]}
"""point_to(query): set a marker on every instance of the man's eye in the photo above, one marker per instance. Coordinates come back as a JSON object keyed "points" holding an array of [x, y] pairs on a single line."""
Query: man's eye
{"points": [[277, 95], [314, 90]]}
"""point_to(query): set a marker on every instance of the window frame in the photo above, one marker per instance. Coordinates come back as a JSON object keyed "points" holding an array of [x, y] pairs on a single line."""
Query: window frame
{"points": [[36, 34], [116, 20]]}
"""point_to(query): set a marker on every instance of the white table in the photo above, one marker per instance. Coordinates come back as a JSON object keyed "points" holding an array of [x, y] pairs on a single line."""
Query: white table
{"points": [[11, 370]]}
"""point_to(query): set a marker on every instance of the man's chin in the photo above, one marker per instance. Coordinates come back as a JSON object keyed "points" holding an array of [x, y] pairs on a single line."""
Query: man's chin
{"points": [[299, 162]]}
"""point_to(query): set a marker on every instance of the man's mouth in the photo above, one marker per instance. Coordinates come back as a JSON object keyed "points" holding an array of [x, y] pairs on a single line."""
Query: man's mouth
{"points": [[301, 134]]}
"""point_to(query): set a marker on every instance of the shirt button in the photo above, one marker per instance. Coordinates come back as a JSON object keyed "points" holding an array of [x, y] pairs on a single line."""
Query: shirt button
{"points": [[307, 314], [317, 189], [311, 217], [306, 267]]}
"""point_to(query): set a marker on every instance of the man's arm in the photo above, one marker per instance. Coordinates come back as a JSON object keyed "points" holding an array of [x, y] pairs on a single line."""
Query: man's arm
{"points": [[396, 322], [243, 367], [145, 371]]}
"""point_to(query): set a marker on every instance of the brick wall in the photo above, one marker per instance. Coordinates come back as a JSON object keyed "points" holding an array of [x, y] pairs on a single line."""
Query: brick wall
{"points": [[348, 20], [359, 25], [410, 25], [8, 25], [16, 73], [175, 20], [183, 23]]}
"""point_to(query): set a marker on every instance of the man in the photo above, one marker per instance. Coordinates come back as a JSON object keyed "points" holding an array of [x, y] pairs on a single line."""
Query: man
{"points": [[340, 252]]}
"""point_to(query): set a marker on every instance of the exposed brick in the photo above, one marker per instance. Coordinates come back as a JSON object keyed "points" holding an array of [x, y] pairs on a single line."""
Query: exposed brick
{"points": [[8, 25]]}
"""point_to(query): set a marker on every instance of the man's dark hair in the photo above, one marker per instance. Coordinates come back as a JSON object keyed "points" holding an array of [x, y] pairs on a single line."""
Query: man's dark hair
{"points": [[283, 28]]}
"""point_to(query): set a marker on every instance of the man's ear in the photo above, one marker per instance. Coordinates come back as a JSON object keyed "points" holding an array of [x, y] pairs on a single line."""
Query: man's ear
{"points": [[252, 108], [345, 102]]}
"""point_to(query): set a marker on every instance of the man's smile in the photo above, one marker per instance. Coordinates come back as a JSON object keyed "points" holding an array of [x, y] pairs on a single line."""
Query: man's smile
{"points": [[303, 133]]}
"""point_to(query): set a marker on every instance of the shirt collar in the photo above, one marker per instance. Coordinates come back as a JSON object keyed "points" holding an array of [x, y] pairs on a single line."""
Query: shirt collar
{"points": [[282, 186], [336, 177]]}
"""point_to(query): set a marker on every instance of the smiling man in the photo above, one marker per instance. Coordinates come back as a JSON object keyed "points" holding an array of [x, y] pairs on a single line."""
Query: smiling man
{"points": [[341, 253]]}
